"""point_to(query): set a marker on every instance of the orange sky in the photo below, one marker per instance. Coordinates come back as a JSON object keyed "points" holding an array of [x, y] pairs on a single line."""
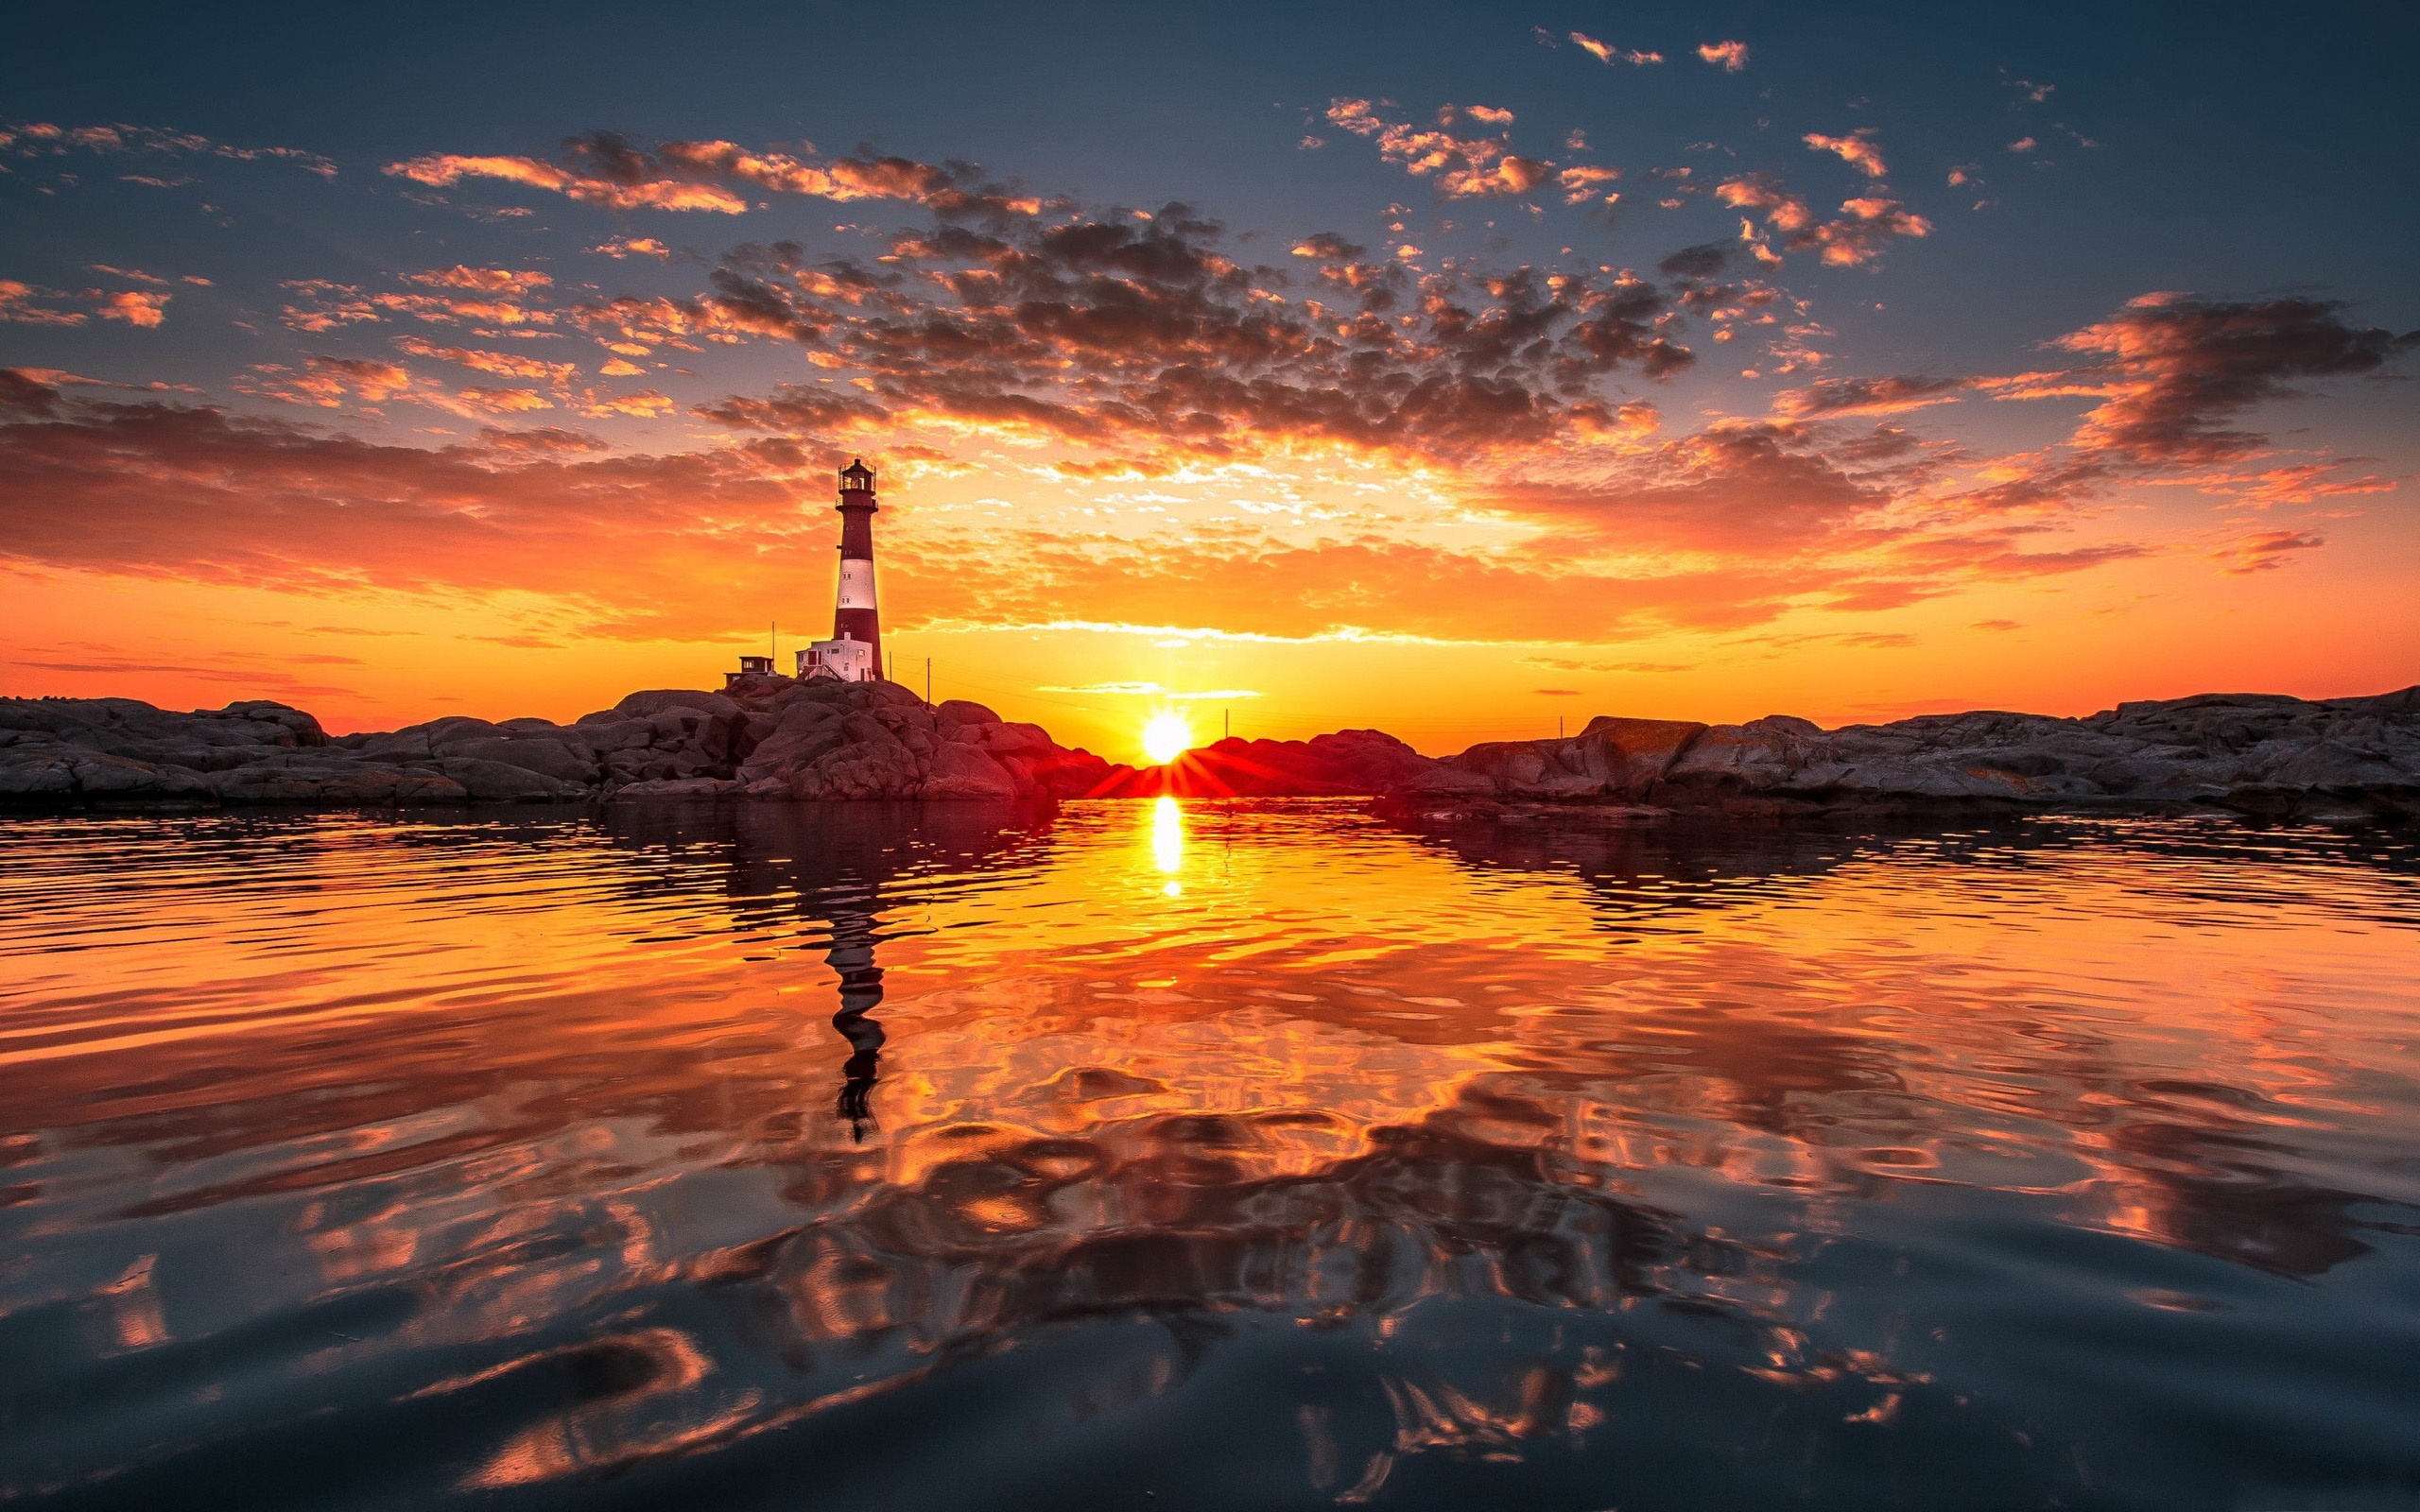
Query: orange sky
{"points": [[1454, 425]]}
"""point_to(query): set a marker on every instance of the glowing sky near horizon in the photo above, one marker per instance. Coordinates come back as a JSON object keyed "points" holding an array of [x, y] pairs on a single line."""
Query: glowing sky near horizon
{"points": [[1444, 370]]}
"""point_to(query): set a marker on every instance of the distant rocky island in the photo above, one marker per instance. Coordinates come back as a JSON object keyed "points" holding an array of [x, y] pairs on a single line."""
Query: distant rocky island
{"points": [[776, 739]]}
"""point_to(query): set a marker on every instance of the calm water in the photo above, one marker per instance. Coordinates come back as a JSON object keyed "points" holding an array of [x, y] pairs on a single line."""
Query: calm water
{"points": [[1219, 1157]]}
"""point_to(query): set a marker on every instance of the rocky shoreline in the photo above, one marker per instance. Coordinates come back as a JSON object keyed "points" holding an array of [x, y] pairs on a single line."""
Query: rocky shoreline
{"points": [[766, 738], [771, 738]]}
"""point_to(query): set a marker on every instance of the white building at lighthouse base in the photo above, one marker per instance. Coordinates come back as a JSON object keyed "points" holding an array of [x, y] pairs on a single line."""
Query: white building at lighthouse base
{"points": [[851, 660]]}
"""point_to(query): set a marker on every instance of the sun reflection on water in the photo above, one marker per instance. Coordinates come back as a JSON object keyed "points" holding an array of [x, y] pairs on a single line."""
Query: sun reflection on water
{"points": [[1167, 842]]}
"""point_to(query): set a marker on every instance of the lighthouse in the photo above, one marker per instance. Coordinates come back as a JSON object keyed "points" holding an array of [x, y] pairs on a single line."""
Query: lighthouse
{"points": [[854, 652]]}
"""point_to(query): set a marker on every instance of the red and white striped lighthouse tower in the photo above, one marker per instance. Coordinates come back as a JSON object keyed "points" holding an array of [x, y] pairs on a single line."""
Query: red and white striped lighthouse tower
{"points": [[854, 652], [854, 617]]}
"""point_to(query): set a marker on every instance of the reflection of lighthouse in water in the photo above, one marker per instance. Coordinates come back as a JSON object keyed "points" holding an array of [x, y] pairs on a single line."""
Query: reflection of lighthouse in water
{"points": [[851, 956]]}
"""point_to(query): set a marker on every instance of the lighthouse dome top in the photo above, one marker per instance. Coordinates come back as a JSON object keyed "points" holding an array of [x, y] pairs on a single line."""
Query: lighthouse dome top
{"points": [[856, 475]]}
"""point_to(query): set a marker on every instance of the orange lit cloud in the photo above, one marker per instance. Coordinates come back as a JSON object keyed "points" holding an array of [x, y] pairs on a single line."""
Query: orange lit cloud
{"points": [[1864, 228], [2265, 550], [1731, 57], [1462, 167], [482, 280], [607, 169], [1606, 53], [1859, 150], [621, 246], [502, 364], [1854, 239], [441, 169], [24, 304], [1781, 210], [1740, 523], [1580, 182], [503, 401], [330, 382]]}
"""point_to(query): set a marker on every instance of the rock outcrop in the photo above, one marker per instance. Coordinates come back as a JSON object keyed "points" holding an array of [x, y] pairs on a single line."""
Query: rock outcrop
{"points": [[771, 737], [2257, 753]]}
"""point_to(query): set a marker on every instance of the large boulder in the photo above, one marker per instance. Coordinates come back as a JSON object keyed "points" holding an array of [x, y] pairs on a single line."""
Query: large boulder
{"points": [[333, 783], [964, 711], [296, 728], [612, 731], [965, 771], [860, 769], [68, 774], [546, 757], [802, 732], [648, 705], [1003, 739], [490, 782], [679, 787]]}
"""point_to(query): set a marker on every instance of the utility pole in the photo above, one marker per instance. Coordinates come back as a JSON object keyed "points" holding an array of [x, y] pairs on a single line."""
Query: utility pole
{"points": [[1558, 726], [928, 679], [1226, 723], [774, 640]]}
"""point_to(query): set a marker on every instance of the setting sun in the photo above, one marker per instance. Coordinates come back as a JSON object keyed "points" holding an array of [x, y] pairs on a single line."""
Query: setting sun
{"points": [[1167, 736]]}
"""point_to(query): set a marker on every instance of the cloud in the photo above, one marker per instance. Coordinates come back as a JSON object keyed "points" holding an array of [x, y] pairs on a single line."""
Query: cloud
{"points": [[505, 400], [502, 364], [143, 308], [1329, 247], [1853, 239], [482, 280], [1866, 396], [622, 246], [2264, 551], [1864, 228], [42, 138], [329, 382], [1859, 150], [1781, 210], [644, 405], [1462, 167], [494, 298], [2023, 144], [19, 305], [444, 169], [2178, 367], [1607, 53], [1582, 182], [1721, 530], [1115, 333], [1731, 57], [605, 168]]}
